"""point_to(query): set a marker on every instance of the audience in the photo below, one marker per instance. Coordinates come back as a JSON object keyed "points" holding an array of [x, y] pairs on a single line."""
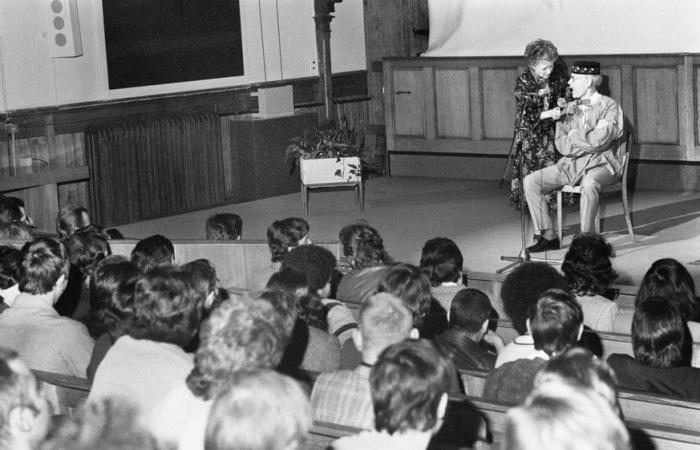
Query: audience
{"points": [[560, 416], [662, 351], [12, 211], [282, 236], [224, 227], [468, 331], [318, 266], [555, 324], [670, 280], [271, 405], [153, 251], [343, 397], [17, 231], [10, 263], [145, 364], [70, 219], [411, 285], [243, 333], [32, 327], [25, 415], [590, 275], [409, 385], [365, 253], [111, 305], [442, 262], [520, 291], [85, 249]]}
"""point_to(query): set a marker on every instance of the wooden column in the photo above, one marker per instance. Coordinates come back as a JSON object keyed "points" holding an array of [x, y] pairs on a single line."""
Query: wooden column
{"points": [[323, 18]]}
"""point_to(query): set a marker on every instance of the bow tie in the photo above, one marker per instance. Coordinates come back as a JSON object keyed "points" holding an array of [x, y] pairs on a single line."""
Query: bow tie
{"points": [[586, 102]]}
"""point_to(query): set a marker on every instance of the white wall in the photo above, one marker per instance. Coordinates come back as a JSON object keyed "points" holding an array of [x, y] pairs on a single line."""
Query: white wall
{"points": [[504, 27], [278, 43]]}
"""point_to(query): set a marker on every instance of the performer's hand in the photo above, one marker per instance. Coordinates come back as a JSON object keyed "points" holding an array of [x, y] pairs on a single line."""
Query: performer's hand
{"points": [[554, 114]]}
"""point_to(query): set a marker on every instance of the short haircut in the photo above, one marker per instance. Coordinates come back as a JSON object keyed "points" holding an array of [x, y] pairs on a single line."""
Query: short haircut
{"points": [[660, 337], [70, 219], [86, 249], [564, 417], [523, 287], [17, 389], [285, 288], [204, 279], [406, 383], [587, 265], [18, 231], [224, 227], [166, 307], [285, 234], [44, 260], [469, 309], [10, 209], [441, 260], [317, 263], [259, 410], [669, 279], [243, 333], [384, 320], [410, 284], [555, 321], [582, 369], [112, 287], [540, 50], [108, 423], [363, 246], [10, 260], [153, 251]]}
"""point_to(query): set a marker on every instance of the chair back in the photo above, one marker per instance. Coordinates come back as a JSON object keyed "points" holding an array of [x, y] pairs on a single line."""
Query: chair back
{"points": [[626, 156]]}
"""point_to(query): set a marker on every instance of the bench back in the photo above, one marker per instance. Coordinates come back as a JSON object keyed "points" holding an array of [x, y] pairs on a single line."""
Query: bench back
{"points": [[64, 393]]}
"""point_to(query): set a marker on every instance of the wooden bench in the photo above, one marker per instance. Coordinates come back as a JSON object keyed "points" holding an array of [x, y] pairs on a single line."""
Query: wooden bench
{"points": [[65, 393]]}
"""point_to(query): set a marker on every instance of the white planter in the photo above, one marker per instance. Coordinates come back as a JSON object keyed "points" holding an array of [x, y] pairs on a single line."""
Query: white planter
{"points": [[330, 170]]}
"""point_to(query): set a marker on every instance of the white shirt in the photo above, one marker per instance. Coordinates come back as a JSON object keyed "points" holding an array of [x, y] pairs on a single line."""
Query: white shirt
{"points": [[523, 347], [180, 419]]}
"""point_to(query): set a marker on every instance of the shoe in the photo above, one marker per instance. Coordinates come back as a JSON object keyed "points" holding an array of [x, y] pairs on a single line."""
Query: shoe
{"points": [[542, 245]]}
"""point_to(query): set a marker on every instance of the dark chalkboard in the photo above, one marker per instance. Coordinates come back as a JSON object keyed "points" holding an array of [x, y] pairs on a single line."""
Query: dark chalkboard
{"points": [[150, 42]]}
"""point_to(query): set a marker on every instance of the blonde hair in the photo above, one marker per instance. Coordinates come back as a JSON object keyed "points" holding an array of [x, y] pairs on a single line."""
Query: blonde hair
{"points": [[559, 416]]}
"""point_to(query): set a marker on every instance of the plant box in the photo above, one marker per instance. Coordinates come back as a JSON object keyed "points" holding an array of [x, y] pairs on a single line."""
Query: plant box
{"points": [[330, 170]]}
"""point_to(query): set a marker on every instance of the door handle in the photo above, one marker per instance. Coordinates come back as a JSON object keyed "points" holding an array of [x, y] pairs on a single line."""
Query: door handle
{"points": [[402, 92]]}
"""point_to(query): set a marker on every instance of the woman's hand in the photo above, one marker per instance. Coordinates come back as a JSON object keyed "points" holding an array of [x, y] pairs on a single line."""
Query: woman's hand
{"points": [[554, 114]]}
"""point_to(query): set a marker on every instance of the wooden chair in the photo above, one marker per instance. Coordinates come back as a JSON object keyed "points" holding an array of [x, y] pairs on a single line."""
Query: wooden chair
{"points": [[621, 186]]}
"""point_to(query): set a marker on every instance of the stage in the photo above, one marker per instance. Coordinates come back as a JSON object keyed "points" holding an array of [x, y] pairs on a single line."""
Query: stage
{"points": [[475, 214]]}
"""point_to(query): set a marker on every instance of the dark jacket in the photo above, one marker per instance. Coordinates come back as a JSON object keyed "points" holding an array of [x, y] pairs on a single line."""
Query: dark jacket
{"points": [[676, 381]]}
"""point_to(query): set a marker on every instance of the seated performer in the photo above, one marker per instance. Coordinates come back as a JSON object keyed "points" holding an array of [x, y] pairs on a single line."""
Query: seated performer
{"points": [[588, 137]]}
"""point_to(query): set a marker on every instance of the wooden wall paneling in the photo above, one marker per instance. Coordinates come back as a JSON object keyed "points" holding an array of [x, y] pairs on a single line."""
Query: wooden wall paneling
{"points": [[429, 106], [497, 88], [612, 85], [686, 107], [409, 102], [657, 105], [476, 104], [627, 100], [452, 103], [390, 121]]}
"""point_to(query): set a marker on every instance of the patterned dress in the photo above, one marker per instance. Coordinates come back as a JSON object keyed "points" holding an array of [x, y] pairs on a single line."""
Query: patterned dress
{"points": [[534, 139]]}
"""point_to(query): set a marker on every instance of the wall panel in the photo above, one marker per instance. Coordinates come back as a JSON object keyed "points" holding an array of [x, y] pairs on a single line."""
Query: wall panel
{"points": [[452, 103], [409, 103], [657, 105], [498, 102]]}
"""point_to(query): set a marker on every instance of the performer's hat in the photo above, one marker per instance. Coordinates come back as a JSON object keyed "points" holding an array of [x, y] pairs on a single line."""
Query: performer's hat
{"points": [[586, 68]]}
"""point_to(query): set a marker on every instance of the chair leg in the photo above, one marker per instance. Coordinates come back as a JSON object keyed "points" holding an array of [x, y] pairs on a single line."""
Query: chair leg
{"points": [[305, 199], [362, 195], [560, 233], [626, 207]]}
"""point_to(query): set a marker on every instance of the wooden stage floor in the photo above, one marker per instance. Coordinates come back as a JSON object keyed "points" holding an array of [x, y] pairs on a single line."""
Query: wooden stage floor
{"points": [[475, 214]]}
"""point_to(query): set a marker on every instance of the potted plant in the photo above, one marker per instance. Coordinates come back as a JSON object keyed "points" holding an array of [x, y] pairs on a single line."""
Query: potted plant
{"points": [[326, 154]]}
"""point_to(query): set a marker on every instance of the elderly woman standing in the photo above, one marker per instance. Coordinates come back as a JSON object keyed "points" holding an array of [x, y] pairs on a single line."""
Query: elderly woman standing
{"points": [[537, 91]]}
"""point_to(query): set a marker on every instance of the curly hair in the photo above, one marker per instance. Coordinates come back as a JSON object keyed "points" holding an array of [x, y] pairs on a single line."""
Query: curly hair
{"points": [[669, 279], [285, 234], [244, 333], [166, 307], [411, 285], [441, 260], [540, 50], [363, 246], [587, 265], [10, 260], [44, 260], [316, 262], [86, 249], [523, 287]]}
